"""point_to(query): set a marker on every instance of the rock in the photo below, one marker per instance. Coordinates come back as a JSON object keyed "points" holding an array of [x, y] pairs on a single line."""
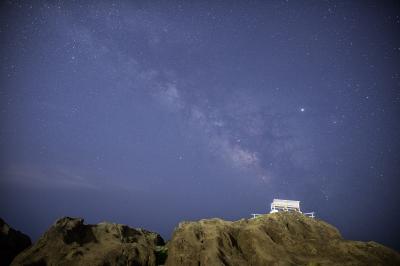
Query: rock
{"points": [[161, 254], [273, 239], [70, 242], [12, 242]]}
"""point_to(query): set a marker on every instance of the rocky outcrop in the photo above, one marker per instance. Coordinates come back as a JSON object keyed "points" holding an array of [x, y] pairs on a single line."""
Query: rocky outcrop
{"points": [[12, 242], [272, 239], [70, 242]]}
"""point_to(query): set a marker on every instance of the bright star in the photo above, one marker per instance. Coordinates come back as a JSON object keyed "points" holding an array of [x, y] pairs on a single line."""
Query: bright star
{"points": [[302, 109]]}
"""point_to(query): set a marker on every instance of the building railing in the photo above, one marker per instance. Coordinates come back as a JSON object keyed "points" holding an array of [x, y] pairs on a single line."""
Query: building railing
{"points": [[309, 214]]}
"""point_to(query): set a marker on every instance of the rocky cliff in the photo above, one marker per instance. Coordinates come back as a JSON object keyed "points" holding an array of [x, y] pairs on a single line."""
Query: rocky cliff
{"points": [[272, 239], [71, 242], [12, 242]]}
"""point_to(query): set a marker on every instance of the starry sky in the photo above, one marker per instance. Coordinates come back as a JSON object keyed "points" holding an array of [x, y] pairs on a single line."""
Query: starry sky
{"points": [[148, 113]]}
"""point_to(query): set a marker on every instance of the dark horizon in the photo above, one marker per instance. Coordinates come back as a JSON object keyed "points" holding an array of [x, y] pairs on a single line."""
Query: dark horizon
{"points": [[148, 113]]}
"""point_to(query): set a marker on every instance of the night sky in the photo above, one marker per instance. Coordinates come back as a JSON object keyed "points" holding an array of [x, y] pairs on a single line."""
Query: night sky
{"points": [[150, 113]]}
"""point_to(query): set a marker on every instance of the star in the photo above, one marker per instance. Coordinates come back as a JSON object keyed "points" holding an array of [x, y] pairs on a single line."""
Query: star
{"points": [[302, 109]]}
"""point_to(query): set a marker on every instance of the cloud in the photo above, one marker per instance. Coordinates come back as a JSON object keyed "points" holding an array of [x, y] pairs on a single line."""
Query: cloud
{"points": [[38, 176]]}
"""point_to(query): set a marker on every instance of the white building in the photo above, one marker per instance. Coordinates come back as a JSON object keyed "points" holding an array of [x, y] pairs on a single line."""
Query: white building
{"points": [[280, 205], [285, 205]]}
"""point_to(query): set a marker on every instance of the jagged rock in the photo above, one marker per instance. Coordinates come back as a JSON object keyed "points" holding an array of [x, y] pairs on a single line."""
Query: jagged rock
{"points": [[272, 239], [12, 242], [70, 242]]}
